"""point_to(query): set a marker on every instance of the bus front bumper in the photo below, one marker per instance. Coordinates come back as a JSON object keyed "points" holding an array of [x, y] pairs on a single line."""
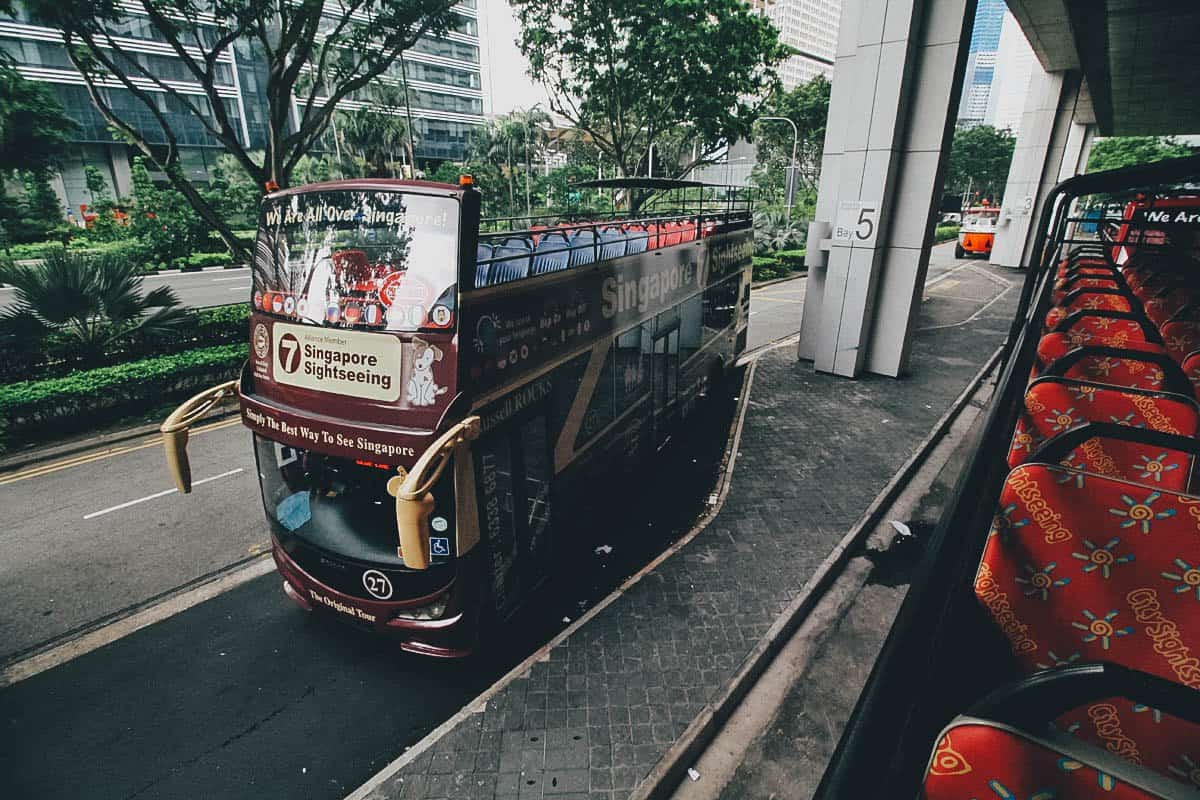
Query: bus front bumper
{"points": [[452, 635]]}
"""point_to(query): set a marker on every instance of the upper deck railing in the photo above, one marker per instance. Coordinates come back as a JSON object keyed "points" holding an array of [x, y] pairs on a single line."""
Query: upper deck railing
{"points": [[557, 242]]}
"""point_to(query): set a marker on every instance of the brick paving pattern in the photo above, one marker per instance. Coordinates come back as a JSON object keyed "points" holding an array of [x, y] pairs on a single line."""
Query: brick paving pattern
{"points": [[591, 721]]}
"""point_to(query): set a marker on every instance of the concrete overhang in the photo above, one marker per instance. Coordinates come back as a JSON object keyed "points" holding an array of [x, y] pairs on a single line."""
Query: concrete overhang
{"points": [[1139, 58]]}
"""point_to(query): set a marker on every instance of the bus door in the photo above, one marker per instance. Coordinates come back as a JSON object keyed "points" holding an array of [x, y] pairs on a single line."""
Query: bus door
{"points": [[664, 372], [513, 478]]}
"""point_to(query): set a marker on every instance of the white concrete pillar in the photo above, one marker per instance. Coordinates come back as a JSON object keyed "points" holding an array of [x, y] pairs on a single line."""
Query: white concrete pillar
{"points": [[1054, 143], [896, 83]]}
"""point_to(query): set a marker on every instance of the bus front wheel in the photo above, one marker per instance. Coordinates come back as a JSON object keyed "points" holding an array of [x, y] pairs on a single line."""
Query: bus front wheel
{"points": [[959, 252]]}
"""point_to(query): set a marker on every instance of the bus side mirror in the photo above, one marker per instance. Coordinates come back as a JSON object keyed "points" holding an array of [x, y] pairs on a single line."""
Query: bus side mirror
{"points": [[175, 430], [414, 498]]}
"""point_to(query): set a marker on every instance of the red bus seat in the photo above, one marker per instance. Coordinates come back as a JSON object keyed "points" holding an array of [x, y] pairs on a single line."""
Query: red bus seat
{"points": [[1054, 406], [1080, 568], [976, 758], [1087, 300], [1181, 338], [1120, 367]]}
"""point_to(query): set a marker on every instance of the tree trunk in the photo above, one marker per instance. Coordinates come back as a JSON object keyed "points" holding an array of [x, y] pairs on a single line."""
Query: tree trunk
{"points": [[239, 251]]}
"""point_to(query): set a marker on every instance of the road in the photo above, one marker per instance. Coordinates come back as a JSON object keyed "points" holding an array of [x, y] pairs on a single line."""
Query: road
{"points": [[240, 695], [775, 310], [213, 287]]}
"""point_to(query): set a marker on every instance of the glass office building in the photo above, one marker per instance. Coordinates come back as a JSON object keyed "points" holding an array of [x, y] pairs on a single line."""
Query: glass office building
{"points": [[981, 62], [443, 74], [810, 28]]}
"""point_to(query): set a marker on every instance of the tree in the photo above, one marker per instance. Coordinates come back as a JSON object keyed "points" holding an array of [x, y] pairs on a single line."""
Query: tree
{"points": [[628, 72], [373, 136], [1125, 151], [507, 142], [309, 57], [808, 107], [979, 161], [34, 129], [95, 301]]}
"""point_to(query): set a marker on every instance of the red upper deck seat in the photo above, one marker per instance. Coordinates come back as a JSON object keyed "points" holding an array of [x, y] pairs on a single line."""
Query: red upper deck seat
{"points": [[976, 758], [1079, 568], [1087, 300], [1054, 406]]}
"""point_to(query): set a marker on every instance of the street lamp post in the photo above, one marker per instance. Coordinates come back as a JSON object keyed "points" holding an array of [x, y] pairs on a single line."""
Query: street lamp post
{"points": [[790, 188]]}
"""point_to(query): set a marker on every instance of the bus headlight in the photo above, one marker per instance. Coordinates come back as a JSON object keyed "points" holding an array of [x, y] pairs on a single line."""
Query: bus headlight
{"points": [[433, 611]]}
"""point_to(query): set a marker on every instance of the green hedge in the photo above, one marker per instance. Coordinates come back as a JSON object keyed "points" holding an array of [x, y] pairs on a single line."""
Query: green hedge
{"points": [[944, 233], [33, 411], [200, 260], [129, 248], [54, 357], [777, 265]]}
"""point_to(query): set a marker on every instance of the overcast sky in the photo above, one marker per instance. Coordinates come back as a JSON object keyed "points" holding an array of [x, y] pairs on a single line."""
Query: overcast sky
{"points": [[506, 84]]}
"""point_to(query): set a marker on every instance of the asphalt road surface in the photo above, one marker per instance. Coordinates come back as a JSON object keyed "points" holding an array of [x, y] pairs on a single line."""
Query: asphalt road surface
{"points": [[241, 695], [775, 310], [212, 287]]}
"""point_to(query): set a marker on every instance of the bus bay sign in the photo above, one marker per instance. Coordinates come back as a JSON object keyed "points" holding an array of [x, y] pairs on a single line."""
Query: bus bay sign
{"points": [[857, 223]]}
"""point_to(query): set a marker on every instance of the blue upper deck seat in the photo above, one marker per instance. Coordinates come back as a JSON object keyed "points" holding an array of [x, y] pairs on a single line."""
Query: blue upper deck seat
{"points": [[583, 247], [483, 252], [636, 239], [513, 262], [551, 253], [612, 243]]}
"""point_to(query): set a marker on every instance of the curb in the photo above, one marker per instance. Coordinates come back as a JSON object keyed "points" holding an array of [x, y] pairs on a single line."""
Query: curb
{"points": [[794, 276], [671, 768], [39, 455], [479, 703]]}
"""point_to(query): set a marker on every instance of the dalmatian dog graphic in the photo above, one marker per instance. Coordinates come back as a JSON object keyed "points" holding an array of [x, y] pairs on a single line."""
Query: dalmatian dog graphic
{"points": [[422, 388]]}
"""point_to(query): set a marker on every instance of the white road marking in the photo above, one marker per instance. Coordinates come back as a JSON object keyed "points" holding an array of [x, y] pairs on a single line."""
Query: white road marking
{"points": [[111, 632], [240, 288], [226, 280], [157, 495]]}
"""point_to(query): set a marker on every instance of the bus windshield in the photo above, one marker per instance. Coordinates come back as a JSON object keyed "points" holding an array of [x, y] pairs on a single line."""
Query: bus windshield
{"points": [[979, 222], [375, 259]]}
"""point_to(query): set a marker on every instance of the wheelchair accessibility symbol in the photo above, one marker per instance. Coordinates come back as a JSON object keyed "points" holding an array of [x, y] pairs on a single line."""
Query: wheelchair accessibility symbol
{"points": [[439, 546]]}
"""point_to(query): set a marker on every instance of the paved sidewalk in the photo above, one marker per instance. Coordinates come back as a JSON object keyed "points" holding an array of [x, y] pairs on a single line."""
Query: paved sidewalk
{"points": [[594, 718]]}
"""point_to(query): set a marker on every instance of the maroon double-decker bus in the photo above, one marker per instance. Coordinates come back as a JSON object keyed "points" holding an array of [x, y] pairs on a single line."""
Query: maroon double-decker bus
{"points": [[430, 398]]}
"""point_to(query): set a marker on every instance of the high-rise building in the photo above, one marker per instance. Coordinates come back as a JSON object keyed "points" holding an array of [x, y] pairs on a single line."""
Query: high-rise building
{"points": [[444, 82], [981, 62], [810, 27], [1015, 62]]}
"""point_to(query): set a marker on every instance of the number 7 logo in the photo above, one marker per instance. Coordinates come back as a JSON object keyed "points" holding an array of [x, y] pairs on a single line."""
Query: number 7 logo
{"points": [[289, 352]]}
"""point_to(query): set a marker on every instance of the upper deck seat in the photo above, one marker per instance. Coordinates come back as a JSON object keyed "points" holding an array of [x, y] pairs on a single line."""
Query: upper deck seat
{"points": [[1068, 285], [977, 758], [689, 231], [483, 252], [635, 239], [674, 233], [583, 247], [654, 240], [1161, 309], [1087, 300], [512, 260], [1136, 365], [551, 253], [1181, 337], [1191, 368], [1079, 568], [612, 243], [1054, 406]]}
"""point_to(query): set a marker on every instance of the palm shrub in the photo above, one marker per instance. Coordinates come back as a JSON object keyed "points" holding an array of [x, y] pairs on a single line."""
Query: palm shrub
{"points": [[775, 230], [97, 302]]}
